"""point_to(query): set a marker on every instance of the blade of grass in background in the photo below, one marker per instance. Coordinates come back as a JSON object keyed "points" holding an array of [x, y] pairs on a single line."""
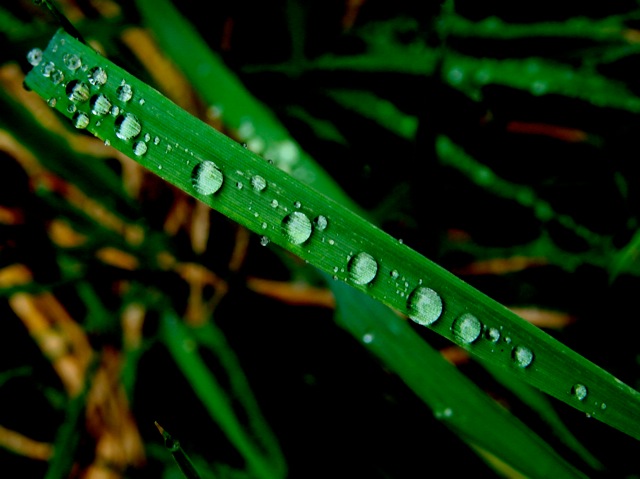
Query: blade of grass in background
{"points": [[249, 190]]}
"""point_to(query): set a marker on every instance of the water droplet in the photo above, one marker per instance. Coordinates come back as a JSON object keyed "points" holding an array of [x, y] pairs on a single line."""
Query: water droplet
{"points": [[424, 305], [367, 338], [522, 356], [72, 108], [124, 92], [52, 102], [77, 91], [492, 334], [115, 111], [331, 242], [127, 126], [57, 77], [258, 183], [139, 148], [48, 68], [321, 222], [466, 328], [239, 185], [296, 227], [206, 178], [34, 57], [107, 142], [579, 391], [72, 61], [97, 76], [156, 140], [444, 413], [80, 120], [297, 204], [147, 137], [603, 406], [141, 101], [394, 274], [362, 268], [274, 203], [539, 87], [264, 241], [264, 225]]}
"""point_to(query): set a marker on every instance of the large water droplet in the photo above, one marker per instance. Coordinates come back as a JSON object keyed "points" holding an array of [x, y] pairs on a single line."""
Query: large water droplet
{"points": [[72, 61], [321, 222], [579, 391], [522, 356], [206, 178], [80, 120], [127, 126], [296, 227], [424, 305], [466, 328], [77, 91], [258, 183], [34, 57], [97, 76], [124, 92], [362, 268]]}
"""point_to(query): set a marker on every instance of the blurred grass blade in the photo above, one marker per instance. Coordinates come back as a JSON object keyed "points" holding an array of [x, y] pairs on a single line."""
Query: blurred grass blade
{"points": [[215, 399], [220, 88], [201, 161], [455, 399]]}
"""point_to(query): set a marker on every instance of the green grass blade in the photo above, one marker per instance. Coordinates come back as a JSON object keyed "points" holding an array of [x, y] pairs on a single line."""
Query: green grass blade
{"points": [[456, 401], [221, 173]]}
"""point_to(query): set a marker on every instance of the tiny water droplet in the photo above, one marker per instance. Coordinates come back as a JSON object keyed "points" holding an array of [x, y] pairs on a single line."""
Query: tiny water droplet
{"points": [[206, 178], [80, 120], [34, 57], [239, 185], [296, 227], [141, 101], [274, 203], [466, 328], [57, 77], [97, 76], [444, 413], [331, 242], [77, 91], [321, 222], [258, 183], [72, 61], [264, 225], [147, 137], [394, 274], [367, 338], [124, 92], [492, 334], [48, 68], [401, 241], [156, 140], [107, 142], [579, 391], [139, 148], [603, 406], [52, 102], [297, 204], [522, 356], [264, 241], [424, 305], [72, 108], [100, 105], [127, 126], [362, 268], [115, 111]]}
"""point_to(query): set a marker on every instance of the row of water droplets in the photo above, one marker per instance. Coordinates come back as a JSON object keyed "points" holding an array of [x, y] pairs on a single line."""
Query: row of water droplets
{"points": [[84, 88]]}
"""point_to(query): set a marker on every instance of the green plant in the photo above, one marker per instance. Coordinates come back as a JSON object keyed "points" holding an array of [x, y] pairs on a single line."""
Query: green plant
{"points": [[253, 192]]}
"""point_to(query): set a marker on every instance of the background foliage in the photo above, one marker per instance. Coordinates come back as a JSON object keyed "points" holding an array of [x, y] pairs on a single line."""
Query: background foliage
{"points": [[498, 141]]}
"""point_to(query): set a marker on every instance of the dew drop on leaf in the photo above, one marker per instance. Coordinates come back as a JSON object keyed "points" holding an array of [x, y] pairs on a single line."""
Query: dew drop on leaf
{"points": [[321, 222], [579, 391], [264, 241], [57, 77], [258, 183], [362, 268], [72, 61], [34, 57], [97, 76], [139, 148], [424, 305], [492, 334], [466, 328], [206, 178], [124, 92], [296, 227], [48, 68], [77, 91], [127, 126], [80, 120], [522, 356]]}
